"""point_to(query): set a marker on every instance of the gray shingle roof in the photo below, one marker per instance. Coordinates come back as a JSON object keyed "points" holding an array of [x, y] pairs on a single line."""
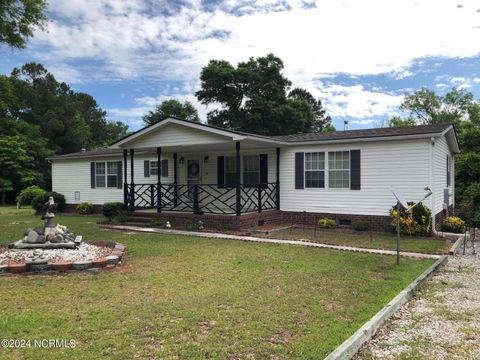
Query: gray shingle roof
{"points": [[365, 133], [304, 137], [86, 154]]}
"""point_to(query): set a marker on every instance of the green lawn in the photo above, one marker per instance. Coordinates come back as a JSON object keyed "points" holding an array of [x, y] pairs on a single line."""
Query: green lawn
{"points": [[195, 298], [363, 239]]}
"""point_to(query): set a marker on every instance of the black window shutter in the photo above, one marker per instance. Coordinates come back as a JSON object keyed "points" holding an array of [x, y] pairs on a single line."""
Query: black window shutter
{"points": [[119, 175], [448, 171], [146, 168], [221, 171], [264, 170], [299, 170], [165, 168], [355, 182], [92, 175]]}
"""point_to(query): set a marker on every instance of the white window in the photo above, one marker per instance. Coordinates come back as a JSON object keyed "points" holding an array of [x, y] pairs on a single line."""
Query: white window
{"points": [[153, 167], [112, 174], [230, 170], [106, 174], [251, 170], [100, 174], [339, 169], [315, 170]]}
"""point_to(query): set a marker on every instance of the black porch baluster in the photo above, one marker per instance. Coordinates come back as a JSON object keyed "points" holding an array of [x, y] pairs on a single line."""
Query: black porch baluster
{"points": [[152, 195], [175, 188], [277, 189], [196, 208], [159, 180], [132, 182], [259, 204], [237, 180], [125, 184]]}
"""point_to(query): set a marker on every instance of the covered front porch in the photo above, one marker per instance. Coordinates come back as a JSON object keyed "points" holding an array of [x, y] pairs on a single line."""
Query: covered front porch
{"points": [[225, 175]]}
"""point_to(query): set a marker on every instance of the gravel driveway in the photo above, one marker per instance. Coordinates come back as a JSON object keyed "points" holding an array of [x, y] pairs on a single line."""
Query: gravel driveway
{"points": [[441, 322]]}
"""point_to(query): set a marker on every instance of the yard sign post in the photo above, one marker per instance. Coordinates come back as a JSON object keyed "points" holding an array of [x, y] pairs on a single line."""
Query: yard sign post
{"points": [[401, 202]]}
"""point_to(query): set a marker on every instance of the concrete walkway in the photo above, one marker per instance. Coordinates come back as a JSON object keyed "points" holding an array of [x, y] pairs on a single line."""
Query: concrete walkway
{"points": [[263, 240]]}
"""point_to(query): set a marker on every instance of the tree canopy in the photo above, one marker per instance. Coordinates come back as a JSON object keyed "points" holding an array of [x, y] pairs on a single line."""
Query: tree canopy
{"points": [[458, 107], [18, 18], [172, 107], [253, 97], [41, 117]]}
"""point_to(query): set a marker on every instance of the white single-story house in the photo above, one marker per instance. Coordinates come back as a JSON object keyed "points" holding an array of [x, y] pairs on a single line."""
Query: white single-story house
{"points": [[176, 169]]}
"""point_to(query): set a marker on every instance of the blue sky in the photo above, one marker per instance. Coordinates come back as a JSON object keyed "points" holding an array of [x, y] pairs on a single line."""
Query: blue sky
{"points": [[358, 57]]}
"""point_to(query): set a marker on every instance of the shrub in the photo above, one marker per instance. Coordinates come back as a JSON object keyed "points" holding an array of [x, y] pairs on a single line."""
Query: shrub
{"points": [[119, 218], [191, 225], [361, 225], [221, 226], [84, 208], [112, 209], [416, 221], [28, 194], [453, 224], [39, 200], [327, 223]]}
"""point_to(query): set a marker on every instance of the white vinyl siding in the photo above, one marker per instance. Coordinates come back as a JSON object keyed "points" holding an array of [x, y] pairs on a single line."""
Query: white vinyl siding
{"points": [[402, 164], [440, 152]]}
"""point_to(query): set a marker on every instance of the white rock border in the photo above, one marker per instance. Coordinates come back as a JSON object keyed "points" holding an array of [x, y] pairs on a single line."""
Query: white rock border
{"points": [[106, 263]]}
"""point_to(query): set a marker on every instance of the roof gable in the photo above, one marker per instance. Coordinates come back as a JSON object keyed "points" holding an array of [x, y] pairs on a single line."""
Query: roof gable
{"points": [[176, 132]]}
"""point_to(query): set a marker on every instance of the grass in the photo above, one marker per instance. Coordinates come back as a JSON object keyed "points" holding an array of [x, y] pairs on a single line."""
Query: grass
{"points": [[364, 239], [179, 297]]}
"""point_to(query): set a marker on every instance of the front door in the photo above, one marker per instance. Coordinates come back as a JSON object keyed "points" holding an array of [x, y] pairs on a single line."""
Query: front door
{"points": [[193, 175]]}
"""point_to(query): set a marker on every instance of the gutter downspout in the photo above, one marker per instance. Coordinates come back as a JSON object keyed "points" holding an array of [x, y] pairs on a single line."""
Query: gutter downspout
{"points": [[432, 186]]}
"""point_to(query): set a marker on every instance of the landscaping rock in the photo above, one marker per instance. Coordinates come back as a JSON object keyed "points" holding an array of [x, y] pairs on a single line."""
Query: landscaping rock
{"points": [[113, 259], [81, 265], [31, 237], [17, 268], [101, 262], [61, 265]]}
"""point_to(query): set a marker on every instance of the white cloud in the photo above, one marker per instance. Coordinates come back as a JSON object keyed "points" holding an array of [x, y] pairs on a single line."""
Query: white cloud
{"points": [[165, 41], [356, 102]]}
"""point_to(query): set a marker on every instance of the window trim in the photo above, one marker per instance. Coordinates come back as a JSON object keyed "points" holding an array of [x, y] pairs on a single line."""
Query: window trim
{"points": [[305, 170], [106, 174], [347, 170], [151, 168]]}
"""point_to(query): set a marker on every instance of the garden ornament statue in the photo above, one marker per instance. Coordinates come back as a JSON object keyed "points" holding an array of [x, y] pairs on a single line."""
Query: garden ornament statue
{"points": [[49, 213], [51, 235]]}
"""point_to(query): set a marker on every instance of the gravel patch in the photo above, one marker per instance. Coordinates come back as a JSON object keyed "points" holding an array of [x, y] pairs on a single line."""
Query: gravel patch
{"points": [[441, 322], [85, 252]]}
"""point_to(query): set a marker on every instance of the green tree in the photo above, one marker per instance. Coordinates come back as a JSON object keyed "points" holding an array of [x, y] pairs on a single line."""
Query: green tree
{"points": [[322, 120], [252, 97], [396, 121], [18, 18], [424, 106], [172, 107], [49, 118], [16, 164]]}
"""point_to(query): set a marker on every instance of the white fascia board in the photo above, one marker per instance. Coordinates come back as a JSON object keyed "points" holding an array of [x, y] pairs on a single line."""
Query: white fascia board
{"points": [[366, 139]]}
